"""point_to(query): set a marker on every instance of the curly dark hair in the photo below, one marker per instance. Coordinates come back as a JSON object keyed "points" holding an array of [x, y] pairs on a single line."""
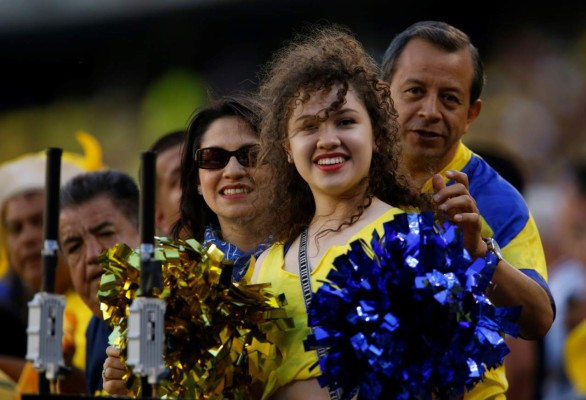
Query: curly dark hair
{"points": [[326, 57], [195, 214]]}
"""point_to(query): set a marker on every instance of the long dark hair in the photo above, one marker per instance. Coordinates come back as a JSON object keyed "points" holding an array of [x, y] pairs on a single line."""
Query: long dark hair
{"points": [[195, 214]]}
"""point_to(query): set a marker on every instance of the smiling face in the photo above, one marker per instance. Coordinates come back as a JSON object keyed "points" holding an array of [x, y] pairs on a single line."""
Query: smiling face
{"points": [[230, 191], [333, 156], [431, 92], [85, 231]]}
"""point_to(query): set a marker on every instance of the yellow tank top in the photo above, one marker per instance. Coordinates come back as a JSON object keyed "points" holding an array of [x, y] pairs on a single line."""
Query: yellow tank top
{"points": [[297, 363]]}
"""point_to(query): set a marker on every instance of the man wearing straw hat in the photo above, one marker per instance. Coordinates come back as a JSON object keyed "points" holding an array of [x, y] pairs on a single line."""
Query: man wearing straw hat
{"points": [[22, 187]]}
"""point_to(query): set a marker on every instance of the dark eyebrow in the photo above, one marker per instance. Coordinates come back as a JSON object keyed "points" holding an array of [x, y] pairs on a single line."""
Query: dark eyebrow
{"points": [[305, 117], [414, 81], [101, 226], [92, 230], [71, 239], [346, 110], [332, 113]]}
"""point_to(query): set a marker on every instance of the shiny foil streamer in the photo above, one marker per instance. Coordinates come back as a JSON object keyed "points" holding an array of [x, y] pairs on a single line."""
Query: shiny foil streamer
{"points": [[406, 316], [215, 330]]}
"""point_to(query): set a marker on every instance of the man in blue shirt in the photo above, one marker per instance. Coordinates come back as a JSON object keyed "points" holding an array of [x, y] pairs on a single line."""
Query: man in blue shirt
{"points": [[98, 210], [436, 78]]}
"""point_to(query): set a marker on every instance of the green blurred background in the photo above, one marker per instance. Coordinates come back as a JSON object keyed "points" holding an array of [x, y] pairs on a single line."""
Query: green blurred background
{"points": [[128, 71]]}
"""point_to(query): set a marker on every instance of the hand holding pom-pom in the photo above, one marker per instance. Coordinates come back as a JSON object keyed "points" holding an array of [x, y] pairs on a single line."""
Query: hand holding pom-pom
{"points": [[216, 346], [406, 316]]}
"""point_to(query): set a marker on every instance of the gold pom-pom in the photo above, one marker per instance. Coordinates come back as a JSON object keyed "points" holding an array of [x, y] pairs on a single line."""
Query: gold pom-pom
{"points": [[216, 345]]}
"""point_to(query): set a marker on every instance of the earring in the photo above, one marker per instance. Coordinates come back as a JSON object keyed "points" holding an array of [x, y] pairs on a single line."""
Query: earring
{"points": [[289, 158], [199, 189]]}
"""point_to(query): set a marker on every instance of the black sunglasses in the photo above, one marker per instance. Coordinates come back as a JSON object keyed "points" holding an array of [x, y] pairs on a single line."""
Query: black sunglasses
{"points": [[216, 158]]}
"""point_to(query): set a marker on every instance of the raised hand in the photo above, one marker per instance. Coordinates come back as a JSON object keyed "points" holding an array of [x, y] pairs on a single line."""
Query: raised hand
{"points": [[460, 208]]}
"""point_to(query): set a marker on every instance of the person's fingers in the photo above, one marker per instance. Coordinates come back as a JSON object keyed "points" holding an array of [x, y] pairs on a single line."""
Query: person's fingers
{"points": [[450, 192], [112, 351], [438, 183], [458, 176], [114, 362], [469, 220], [463, 204], [115, 387], [463, 201], [113, 373]]}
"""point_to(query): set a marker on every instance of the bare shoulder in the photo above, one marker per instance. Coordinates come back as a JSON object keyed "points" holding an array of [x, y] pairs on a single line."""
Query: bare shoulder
{"points": [[376, 209], [255, 265]]}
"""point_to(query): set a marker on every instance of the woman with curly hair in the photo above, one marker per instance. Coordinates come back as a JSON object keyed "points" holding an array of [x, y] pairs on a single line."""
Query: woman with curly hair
{"points": [[330, 137]]}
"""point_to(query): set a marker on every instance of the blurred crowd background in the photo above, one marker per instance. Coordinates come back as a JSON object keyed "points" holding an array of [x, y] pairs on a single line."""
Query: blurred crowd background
{"points": [[128, 71]]}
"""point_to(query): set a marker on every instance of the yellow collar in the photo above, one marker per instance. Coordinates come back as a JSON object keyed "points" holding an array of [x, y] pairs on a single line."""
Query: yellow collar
{"points": [[463, 155]]}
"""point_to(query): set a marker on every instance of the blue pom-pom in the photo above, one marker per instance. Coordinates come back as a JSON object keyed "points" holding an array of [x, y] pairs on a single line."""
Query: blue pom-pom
{"points": [[406, 315]]}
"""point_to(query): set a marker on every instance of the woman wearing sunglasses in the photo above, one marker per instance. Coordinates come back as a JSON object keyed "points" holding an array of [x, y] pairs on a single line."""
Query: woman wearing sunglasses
{"points": [[220, 198], [219, 179]]}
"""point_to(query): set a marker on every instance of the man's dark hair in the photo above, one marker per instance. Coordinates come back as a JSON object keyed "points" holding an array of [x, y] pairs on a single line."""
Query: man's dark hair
{"points": [[164, 143], [167, 141], [118, 186], [443, 36]]}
